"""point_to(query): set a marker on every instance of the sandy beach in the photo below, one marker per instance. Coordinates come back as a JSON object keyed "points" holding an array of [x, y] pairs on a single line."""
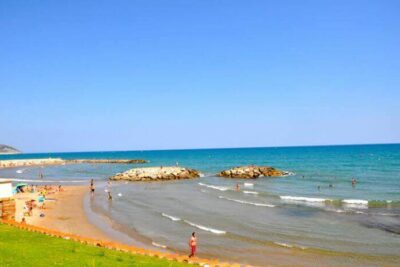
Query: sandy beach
{"points": [[63, 212]]}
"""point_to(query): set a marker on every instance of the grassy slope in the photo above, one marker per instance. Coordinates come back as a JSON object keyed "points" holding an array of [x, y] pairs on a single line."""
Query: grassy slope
{"points": [[23, 248]]}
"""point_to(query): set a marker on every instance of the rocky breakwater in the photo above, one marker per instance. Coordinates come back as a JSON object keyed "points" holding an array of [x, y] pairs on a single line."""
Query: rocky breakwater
{"points": [[59, 161], [156, 174], [119, 161], [30, 162], [252, 172]]}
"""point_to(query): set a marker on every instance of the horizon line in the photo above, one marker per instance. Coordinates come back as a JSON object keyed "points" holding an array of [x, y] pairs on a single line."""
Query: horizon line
{"points": [[207, 148]]}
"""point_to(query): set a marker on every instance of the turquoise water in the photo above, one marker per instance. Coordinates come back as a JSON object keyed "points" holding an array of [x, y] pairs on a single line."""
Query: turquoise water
{"points": [[317, 207], [376, 167]]}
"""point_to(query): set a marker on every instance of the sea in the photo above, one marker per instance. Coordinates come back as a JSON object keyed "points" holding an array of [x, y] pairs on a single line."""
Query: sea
{"points": [[315, 208]]}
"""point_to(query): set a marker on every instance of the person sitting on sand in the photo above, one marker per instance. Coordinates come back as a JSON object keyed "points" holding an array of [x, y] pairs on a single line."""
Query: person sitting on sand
{"points": [[193, 245], [60, 189]]}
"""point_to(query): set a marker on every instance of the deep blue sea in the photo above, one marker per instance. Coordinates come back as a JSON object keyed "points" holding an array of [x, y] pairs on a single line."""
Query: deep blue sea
{"points": [[315, 208]]}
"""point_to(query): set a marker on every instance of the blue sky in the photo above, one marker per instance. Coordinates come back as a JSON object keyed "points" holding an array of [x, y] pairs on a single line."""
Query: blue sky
{"points": [[127, 75]]}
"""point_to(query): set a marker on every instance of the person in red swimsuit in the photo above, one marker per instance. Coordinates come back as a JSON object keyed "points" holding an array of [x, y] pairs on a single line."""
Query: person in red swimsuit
{"points": [[193, 245]]}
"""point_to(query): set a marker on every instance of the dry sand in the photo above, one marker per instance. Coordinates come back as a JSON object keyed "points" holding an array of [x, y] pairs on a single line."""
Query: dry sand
{"points": [[63, 212]]}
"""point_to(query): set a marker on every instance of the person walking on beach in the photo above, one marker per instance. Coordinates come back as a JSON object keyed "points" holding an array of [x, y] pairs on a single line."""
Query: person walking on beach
{"points": [[92, 187], [193, 245]]}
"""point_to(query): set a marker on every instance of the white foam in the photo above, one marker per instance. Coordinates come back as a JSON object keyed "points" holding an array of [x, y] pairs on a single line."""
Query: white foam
{"points": [[283, 245], [158, 245], [208, 229], [248, 185], [304, 199], [250, 192], [289, 245], [120, 194], [175, 219], [220, 188], [287, 173], [19, 171], [248, 202], [355, 201]]}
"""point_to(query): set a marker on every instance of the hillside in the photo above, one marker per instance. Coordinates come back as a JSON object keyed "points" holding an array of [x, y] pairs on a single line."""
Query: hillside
{"points": [[8, 150]]}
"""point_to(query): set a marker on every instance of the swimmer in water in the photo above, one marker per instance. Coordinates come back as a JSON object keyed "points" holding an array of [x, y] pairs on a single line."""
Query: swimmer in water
{"points": [[353, 182], [319, 188], [237, 187]]}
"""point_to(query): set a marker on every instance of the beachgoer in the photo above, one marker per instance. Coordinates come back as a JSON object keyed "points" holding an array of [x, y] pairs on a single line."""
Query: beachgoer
{"points": [[109, 195], [92, 187], [330, 185], [353, 182], [319, 188], [237, 187], [193, 245]]}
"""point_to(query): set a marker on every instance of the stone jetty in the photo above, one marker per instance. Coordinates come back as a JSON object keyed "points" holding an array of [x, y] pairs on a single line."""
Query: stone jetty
{"points": [[156, 174], [58, 161], [252, 172], [119, 161], [30, 162]]}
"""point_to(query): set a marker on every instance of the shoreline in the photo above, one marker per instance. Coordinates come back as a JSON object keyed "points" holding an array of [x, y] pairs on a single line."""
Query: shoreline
{"points": [[69, 212], [66, 216]]}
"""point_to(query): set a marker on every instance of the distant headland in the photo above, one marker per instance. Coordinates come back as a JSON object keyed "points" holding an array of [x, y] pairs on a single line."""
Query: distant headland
{"points": [[4, 149]]}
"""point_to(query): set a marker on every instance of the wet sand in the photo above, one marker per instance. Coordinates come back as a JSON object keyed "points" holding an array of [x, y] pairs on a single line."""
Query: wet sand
{"points": [[64, 211]]}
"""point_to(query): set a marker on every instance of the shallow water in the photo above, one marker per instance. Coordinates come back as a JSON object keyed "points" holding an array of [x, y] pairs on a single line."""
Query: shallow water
{"points": [[289, 212]]}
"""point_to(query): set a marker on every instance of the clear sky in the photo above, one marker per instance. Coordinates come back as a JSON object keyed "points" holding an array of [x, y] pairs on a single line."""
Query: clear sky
{"points": [[127, 75]]}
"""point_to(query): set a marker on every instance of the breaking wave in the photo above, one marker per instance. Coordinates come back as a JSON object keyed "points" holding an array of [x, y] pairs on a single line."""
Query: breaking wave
{"points": [[250, 192], [352, 203], [304, 199], [248, 202], [220, 188], [204, 228], [288, 245], [175, 219], [158, 245]]}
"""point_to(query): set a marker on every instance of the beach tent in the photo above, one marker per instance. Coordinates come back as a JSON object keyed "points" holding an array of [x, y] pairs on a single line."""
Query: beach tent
{"points": [[18, 187]]}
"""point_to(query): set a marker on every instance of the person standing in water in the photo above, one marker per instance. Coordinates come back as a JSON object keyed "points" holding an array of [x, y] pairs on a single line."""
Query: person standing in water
{"points": [[193, 245], [92, 187], [353, 182], [109, 195]]}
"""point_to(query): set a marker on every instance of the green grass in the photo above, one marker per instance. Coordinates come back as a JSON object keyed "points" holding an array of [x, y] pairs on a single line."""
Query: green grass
{"points": [[23, 248]]}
